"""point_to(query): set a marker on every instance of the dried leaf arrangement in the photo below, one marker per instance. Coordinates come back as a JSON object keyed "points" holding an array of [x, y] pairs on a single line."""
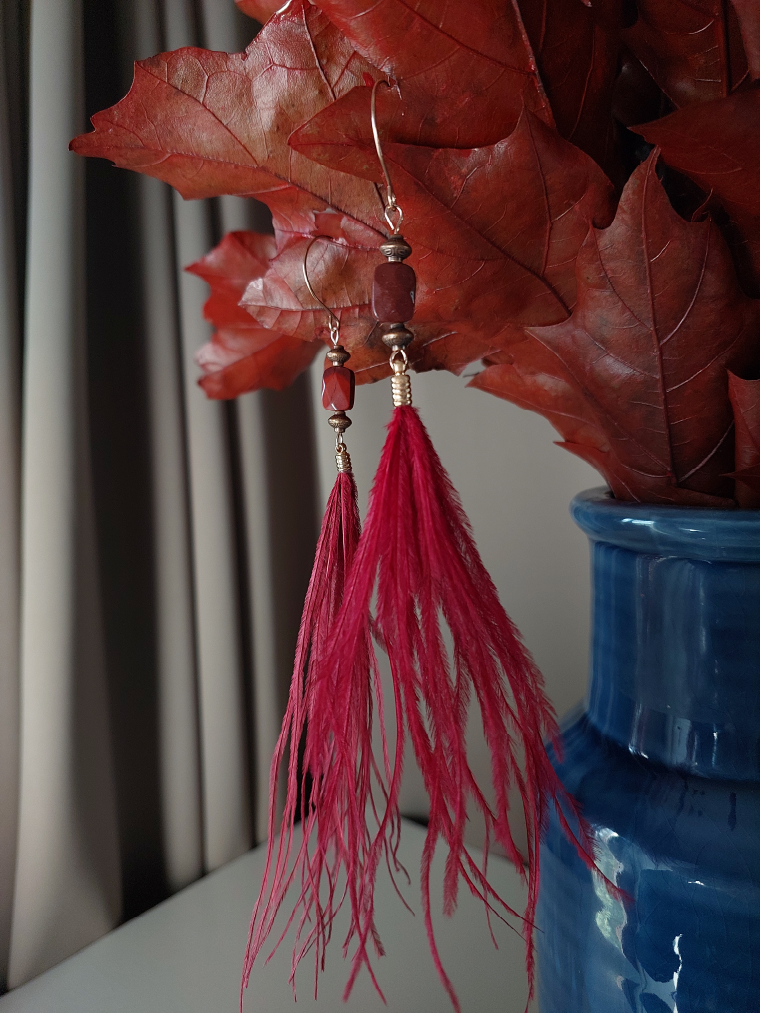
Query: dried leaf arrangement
{"points": [[614, 298]]}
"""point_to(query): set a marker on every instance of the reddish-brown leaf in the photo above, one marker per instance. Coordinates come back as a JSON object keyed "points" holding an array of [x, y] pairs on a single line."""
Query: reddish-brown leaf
{"points": [[692, 48], [243, 356], [576, 46], [717, 144], [748, 13], [495, 229], [465, 67], [532, 376], [217, 123], [660, 317], [745, 399], [261, 10], [280, 300]]}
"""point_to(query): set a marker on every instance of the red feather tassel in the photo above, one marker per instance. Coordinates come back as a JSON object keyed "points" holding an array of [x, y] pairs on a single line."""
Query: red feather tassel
{"points": [[417, 550], [329, 713], [417, 547]]}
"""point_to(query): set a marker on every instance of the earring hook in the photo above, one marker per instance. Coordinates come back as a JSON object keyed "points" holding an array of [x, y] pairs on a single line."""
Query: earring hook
{"points": [[394, 216], [333, 322]]}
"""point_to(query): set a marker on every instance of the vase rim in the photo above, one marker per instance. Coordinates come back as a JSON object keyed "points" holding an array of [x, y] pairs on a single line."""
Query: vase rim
{"points": [[696, 533]]}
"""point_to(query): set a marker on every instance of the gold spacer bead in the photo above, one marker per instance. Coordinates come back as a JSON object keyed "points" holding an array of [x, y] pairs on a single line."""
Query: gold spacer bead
{"points": [[339, 422], [395, 248], [397, 337], [401, 389], [338, 355]]}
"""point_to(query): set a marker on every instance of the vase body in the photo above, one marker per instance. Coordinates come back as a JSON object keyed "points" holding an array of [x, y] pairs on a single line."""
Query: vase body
{"points": [[665, 762]]}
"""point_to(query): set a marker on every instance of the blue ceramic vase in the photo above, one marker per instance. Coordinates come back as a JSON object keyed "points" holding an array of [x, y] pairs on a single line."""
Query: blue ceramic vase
{"points": [[665, 761]]}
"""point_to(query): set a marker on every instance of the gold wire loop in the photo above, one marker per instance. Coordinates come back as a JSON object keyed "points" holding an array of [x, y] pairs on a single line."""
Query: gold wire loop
{"points": [[333, 322], [394, 216], [398, 367]]}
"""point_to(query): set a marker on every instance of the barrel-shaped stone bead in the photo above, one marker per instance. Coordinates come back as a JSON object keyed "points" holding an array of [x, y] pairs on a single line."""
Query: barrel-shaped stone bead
{"points": [[393, 291], [338, 385]]}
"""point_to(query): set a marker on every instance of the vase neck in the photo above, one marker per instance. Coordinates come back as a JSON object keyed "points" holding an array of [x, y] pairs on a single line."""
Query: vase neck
{"points": [[675, 651]]}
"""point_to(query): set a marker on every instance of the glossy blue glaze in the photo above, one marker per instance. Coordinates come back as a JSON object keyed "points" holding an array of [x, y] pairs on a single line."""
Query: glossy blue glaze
{"points": [[665, 760]]}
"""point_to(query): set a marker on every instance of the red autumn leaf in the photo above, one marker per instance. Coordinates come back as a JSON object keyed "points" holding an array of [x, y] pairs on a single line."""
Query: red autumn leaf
{"points": [[692, 48], [745, 399], [444, 60], [748, 13], [261, 10], [717, 144], [576, 46], [217, 123], [659, 319], [243, 356], [465, 69], [533, 377], [495, 229]]}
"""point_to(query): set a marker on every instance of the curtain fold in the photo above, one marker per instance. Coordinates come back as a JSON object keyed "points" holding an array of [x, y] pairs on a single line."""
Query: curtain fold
{"points": [[67, 844], [154, 546], [12, 206]]}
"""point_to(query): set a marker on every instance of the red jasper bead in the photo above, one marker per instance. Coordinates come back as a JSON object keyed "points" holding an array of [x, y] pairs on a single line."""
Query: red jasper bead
{"points": [[338, 385], [393, 290]]}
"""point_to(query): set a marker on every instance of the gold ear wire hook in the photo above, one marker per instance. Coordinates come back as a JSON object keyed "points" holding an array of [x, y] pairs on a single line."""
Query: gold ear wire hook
{"points": [[394, 216], [333, 322]]}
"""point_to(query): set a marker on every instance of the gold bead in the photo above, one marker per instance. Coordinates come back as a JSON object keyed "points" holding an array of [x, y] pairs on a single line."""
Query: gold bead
{"points": [[395, 249], [343, 460], [338, 355], [401, 387], [397, 337], [339, 422]]}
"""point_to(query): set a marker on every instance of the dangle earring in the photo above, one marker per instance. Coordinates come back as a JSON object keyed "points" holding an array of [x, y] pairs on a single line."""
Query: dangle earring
{"points": [[327, 722], [417, 554]]}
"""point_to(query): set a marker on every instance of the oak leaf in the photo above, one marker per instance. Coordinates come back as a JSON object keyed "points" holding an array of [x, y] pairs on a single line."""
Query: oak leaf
{"points": [[692, 48], [717, 144], [465, 69], [243, 355], [495, 229], [748, 13], [576, 46], [659, 320], [217, 123], [745, 399]]}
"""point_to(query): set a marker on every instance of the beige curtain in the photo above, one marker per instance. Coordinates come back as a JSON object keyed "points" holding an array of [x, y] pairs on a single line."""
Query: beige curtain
{"points": [[154, 546]]}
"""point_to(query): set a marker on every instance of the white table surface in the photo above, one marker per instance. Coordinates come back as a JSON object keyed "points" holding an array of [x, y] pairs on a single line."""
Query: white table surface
{"points": [[185, 954]]}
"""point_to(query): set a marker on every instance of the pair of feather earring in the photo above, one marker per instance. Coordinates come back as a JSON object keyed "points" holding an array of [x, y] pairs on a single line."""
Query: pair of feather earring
{"points": [[417, 556]]}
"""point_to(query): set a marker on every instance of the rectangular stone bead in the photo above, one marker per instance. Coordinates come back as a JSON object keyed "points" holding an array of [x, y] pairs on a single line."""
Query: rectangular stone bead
{"points": [[338, 384], [393, 290]]}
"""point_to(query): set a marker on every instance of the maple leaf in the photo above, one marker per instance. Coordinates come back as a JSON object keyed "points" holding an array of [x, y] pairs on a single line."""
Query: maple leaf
{"points": [[717, 144], [466, 70], [577, 50], [242, 355], [692, 48], [532, 376], [659, 320], [217, 123], [745, 399], [748, 13], [495, 229]]}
